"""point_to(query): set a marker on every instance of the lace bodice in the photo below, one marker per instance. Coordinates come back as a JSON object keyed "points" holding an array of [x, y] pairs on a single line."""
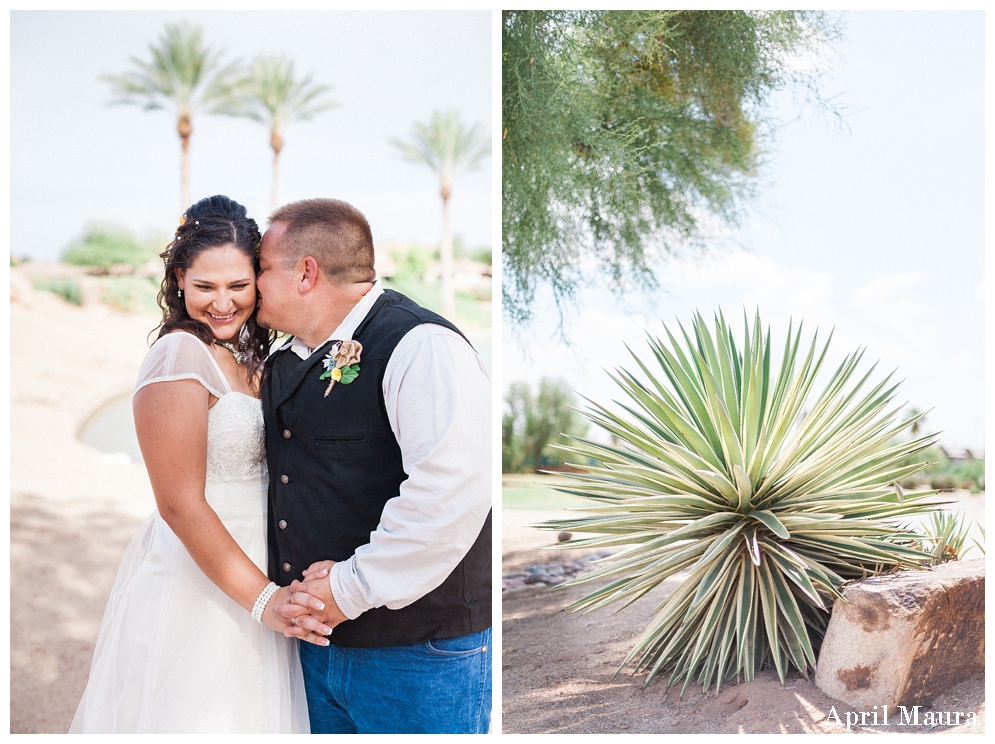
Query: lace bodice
{"points": [[235, 435], [235, 441]]}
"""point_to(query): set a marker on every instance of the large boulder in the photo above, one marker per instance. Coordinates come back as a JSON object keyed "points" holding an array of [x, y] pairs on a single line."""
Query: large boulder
{"points": [[903, 638]]}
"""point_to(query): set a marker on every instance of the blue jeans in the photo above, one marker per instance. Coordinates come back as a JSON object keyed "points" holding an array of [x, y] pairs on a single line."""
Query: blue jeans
{"points": [[442, 686]]}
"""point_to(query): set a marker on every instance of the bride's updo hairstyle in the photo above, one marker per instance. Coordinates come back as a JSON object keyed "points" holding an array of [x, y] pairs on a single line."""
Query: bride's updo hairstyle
{"points": [[212, 222]]}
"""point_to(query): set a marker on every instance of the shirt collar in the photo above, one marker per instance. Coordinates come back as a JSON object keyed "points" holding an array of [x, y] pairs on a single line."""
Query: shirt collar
{"points": [[349, 324]]}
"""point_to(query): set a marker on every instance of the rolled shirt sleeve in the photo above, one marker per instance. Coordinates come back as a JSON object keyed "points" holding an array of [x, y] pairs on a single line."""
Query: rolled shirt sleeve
{"points": [[437, 394]]}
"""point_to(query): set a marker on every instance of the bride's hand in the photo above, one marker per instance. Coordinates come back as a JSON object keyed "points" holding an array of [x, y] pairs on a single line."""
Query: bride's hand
{"points": [[318, 569], [275, 621]]}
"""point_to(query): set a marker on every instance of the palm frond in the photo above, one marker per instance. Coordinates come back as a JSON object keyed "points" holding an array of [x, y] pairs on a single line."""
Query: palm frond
{"points": [[182, 73], [445, 145], [272, 94]]}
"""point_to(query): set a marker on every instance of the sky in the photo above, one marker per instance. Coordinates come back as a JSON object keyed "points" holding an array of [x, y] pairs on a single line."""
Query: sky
{"points": [[76, 159], [874, 229]]}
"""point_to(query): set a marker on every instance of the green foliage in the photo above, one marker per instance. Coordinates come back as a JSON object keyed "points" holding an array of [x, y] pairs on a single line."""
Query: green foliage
{"points": [[412, 261], [727, 467], [964, 474], [183, 73], [67, 289], [272, 94], [534, 423], [131, 293], [468, 308], [445, 146], [104, 246], [945, 537], [623, 130], [483, 255], [942, 473]]}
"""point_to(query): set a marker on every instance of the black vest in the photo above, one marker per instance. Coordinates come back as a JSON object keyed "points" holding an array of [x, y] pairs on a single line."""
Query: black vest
{"points": [[334, 463]]}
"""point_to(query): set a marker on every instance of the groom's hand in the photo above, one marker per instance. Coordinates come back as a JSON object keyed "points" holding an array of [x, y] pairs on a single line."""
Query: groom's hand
{"points": [[312, 608]]}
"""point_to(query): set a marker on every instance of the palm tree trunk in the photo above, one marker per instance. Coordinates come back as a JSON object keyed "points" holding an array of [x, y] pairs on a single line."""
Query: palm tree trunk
{"points": [[276, 142], [446, 258], [274, 201], [185, 175], [185, 129]]}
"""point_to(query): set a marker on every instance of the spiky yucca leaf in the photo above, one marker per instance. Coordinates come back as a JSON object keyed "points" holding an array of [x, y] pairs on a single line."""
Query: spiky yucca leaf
{"points": [[946, 535], [769, 497]]}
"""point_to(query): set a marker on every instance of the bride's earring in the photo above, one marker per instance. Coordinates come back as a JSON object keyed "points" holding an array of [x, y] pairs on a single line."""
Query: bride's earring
{"points": [[179, 293]]}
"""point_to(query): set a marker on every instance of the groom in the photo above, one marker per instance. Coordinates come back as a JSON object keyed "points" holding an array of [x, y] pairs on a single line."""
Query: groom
{"points": [[378, 445]]}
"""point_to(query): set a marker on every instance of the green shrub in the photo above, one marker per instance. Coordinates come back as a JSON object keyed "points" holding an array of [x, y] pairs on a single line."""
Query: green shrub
{"points": [[411, 262], [941, 473], [725, 465], [483, 255], [942, 482], [130, 293], [67, 289], [104, 246], [946, 535]]}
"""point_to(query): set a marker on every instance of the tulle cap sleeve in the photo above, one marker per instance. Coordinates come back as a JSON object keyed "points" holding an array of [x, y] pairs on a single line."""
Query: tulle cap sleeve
{"points": [[182, 356]]}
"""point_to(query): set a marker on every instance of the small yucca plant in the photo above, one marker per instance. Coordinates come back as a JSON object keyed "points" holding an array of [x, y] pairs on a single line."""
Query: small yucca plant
{"points": [[946, 535], [770, 499]]}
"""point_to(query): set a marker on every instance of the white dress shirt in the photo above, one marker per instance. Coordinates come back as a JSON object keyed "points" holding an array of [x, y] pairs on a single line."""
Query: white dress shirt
{"points": [[437, 394]]}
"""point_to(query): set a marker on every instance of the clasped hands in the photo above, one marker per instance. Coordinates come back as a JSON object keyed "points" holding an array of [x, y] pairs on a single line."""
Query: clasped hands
{"points": [[307, 608]]}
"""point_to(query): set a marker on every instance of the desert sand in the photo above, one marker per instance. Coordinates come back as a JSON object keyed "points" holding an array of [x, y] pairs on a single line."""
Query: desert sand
{"points": [[72, 509], [558, 667]]}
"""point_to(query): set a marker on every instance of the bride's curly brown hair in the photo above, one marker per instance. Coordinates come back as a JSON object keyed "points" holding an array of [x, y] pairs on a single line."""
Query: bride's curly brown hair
{"points": [[213, 222]]}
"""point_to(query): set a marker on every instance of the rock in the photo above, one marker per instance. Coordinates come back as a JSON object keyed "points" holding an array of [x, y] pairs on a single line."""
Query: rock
{"points": [[905, 637], [564, 536]]}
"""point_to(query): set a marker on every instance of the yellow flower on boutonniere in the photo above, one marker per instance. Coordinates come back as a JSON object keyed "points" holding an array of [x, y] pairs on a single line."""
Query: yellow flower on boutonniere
{"points": [[341, 364]]}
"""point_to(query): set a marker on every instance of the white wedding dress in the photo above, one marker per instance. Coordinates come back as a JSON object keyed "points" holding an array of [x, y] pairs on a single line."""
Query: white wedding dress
{"points": [[175, 654]]}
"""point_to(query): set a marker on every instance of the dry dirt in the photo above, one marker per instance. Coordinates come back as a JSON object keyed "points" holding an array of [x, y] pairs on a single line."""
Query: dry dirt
{"points": [[557, 670], [72, 510]]}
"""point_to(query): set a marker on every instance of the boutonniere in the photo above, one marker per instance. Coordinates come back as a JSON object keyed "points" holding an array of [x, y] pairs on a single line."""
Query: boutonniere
{"points": [[341, 364]]}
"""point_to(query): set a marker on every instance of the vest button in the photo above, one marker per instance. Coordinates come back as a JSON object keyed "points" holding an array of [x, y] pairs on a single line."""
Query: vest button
{"points": [[287, 567], [282, 524], [286, 433], [284, 479]]}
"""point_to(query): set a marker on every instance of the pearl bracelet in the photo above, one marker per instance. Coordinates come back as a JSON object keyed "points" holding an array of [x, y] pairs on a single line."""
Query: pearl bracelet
{"points": [[262, 600]]}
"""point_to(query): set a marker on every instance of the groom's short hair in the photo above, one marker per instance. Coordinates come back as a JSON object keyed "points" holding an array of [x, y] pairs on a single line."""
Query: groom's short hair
{"points": [[334, 232]]}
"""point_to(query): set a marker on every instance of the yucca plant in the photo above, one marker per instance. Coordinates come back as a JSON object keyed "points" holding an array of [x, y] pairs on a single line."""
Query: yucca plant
{"points": [[946, 535], [769, 498]]}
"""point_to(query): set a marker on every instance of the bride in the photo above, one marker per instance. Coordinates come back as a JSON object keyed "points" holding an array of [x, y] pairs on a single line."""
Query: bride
{"points": [[187, 643]]}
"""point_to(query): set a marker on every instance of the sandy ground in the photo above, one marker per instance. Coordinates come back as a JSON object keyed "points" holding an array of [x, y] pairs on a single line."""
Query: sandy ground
{"points": [[557, 669], [72, 509]]}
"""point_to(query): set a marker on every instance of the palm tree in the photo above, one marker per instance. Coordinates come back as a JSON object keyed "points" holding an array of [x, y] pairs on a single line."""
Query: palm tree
{"points": [[445, 147], [183, 74], [271, 96]]}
